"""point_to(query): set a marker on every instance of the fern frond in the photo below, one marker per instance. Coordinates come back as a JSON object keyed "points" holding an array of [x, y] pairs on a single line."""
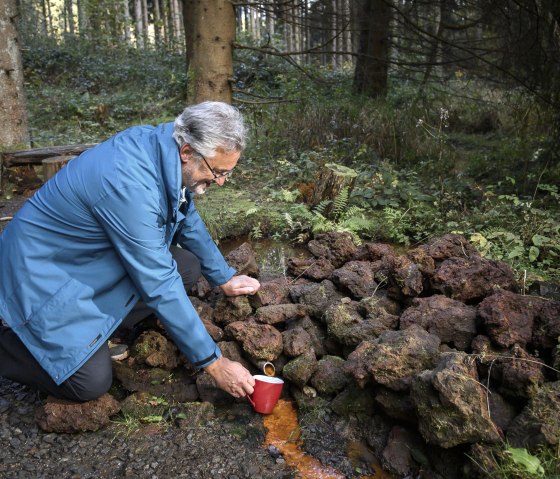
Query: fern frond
{"points": [[340, 203]]}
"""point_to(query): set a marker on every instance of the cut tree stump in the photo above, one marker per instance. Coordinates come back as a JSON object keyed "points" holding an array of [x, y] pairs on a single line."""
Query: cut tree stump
{"points": [[331, 180], [54, 164]]}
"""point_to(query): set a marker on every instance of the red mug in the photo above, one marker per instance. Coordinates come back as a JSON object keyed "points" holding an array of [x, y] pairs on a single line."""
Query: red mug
{"points": [[266, 393]]}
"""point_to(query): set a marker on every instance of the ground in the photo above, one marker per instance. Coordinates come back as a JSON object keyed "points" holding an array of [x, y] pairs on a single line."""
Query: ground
{"points": [[228, 446]]}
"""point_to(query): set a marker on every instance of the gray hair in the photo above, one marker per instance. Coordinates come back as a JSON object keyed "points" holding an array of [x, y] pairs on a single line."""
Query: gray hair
{"points": [[209, 126]]}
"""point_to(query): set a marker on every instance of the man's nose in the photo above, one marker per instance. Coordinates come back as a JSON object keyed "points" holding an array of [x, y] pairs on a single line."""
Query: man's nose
{"points": [[220, 181]]}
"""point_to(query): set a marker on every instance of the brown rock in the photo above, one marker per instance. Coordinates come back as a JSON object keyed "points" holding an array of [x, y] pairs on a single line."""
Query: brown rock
{"points": [[296, 341], [406, 276], [206, 313], [316, 332], [59, 415], [299, 370], [329, 378], [271, 292], [357, 277], [243, 260], [451, 404], [397, 405], [394, 358], [539, 422], [450, 246], [374, 252], [380, 305], [316, 269], [201, 288], [501, 412], [232, 350], [279, 313], [338, 248], [397, 456], [509, 317], [209, 392], [316, 296], [232, 308], [452, 321], [421, 257], [347, 325], [353, 400], [473, 278], [260, 341], [177, 386], [514, 372], [154, 349], [546, 330]]}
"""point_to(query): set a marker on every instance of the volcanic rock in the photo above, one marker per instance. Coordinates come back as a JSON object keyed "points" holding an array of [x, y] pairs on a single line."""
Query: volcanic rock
{"points": [[452, 321], [206, 313], [316, 333], [406, 277], [509, 317], [394, 358], [275, 291], [260, 341], [296, 341], [338, 248], [450, 246], [398, 455], [229, 309], [357, 277], [451, 404], [153, 349], [473, 278], [60, 415], [316, 269], [316, 296], [347, 325], [514, 372], [279, 313], [300, 369], [243, 260], [329, 378], [397, 405], [539, 422]]}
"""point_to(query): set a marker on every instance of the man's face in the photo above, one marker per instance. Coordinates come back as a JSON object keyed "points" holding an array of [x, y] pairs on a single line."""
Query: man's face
{"points": [[197, 176]]}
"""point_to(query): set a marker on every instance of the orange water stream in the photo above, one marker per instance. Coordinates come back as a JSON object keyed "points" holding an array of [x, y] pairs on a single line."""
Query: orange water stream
{"points": [[284, 433]]}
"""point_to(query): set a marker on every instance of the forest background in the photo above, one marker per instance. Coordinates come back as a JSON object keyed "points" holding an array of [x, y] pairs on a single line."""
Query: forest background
{"points": [[447, 112]]}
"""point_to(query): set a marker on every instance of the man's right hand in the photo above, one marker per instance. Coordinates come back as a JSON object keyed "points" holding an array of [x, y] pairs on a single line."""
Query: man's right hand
{"points": [[232, 377]]}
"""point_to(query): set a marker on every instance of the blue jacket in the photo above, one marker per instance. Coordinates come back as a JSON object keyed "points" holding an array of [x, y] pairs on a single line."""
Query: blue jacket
{"points": [[94, 240]]}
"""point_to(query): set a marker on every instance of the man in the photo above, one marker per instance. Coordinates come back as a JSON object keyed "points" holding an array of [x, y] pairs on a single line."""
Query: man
{"points": [[96, 244]]}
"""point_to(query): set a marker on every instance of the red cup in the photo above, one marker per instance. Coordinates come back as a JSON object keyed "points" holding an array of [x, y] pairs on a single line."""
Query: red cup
{"points": [[266, 394]]}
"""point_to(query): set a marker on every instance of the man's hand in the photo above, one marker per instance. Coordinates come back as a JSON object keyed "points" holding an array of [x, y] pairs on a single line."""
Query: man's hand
{"points": [[232, 377], [239, 285]]}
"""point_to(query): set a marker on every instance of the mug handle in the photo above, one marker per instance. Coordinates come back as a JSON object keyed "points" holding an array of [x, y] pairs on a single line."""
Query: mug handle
{"points": [[250, 400]]}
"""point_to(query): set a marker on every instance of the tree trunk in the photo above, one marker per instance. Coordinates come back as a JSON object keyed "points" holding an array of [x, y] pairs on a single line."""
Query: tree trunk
{"points": [[138, 23], [70, 16], [54, 164], [332, 179], [126, 20], [145, 24], [13, 114], [370, 76], [213, 51], [157, 24]]}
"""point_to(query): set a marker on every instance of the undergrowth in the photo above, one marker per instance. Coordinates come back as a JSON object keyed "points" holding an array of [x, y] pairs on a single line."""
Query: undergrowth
{"points": [[458, 157]]}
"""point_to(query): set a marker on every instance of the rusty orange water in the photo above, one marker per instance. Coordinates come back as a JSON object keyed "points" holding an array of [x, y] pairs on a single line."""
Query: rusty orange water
{"points": [[284, 433], [269, 370]]}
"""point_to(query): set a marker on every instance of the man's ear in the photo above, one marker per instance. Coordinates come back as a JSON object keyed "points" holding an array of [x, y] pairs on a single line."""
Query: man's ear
{"points": [[185, 153]]}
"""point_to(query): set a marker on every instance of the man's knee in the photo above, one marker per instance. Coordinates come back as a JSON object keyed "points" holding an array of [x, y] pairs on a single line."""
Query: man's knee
{"points": [[93, 379]]}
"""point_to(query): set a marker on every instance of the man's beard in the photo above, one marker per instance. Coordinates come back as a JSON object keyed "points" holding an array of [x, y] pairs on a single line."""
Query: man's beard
{"points": [[198, 187]]}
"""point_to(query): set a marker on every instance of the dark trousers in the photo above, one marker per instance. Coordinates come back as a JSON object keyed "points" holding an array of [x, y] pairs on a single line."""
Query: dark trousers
{"points": [[94, 378]]}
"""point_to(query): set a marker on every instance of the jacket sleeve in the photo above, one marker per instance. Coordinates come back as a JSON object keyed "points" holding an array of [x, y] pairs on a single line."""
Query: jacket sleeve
{"points": [[194, 237], [134, 224]]}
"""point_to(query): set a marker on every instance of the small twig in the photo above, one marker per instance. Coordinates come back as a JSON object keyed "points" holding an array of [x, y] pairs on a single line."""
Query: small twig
{"points": [[6, 218]]}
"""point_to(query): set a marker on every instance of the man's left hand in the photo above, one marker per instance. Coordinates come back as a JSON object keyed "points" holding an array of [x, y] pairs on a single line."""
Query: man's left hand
{"points": [[239, 285]]}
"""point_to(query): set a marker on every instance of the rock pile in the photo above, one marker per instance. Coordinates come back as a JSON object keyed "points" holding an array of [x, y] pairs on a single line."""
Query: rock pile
{"points": [[423, 355]]}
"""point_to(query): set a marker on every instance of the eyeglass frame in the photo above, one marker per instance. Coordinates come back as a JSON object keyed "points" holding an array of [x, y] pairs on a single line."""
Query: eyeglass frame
{"points": [[225, 175]]}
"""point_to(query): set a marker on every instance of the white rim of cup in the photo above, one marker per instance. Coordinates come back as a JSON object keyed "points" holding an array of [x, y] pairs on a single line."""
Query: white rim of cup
{"points": [[268, 379]]}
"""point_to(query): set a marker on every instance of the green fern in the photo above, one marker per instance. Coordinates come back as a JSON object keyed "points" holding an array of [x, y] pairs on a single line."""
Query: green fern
{"points": [[340, 203]]}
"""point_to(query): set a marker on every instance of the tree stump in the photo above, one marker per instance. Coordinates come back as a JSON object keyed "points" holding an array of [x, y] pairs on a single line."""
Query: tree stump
{"points": [[52, 165], [331, 180]]}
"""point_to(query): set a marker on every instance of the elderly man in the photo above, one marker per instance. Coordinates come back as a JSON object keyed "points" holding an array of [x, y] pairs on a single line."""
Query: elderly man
{"points": [[97, 244]]}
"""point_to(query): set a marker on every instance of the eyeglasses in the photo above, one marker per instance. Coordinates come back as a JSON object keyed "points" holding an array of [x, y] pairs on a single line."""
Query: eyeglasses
{"points": [[226, 174]]}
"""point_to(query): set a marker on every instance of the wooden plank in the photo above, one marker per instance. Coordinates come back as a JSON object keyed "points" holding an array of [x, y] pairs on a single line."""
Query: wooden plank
{"points": [[37, 155]]}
